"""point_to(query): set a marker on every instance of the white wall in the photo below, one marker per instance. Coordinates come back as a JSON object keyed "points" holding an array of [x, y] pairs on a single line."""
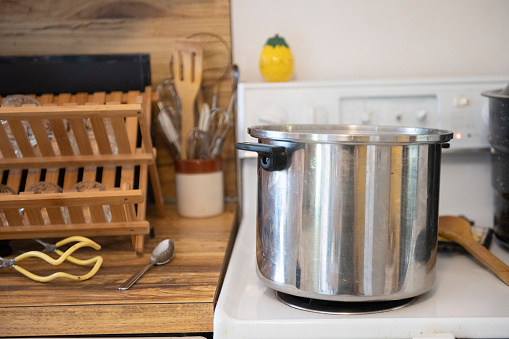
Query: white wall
{"points": [[367, 39]]}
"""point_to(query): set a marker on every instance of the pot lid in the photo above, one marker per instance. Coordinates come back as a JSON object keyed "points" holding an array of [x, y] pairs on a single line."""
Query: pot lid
{"points": [[350, 134], [498, 93]]}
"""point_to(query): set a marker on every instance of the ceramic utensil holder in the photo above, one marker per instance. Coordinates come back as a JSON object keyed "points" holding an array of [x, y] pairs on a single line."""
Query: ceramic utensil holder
{"points": [[200, 189]]}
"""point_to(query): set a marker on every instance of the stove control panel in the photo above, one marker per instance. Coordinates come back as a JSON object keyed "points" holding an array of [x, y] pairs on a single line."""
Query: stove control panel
{"points": [[451, 104]]}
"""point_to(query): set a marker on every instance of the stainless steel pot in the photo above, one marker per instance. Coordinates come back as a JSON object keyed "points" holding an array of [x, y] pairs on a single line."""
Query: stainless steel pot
{"points": [[347, 213], [499, 140]]}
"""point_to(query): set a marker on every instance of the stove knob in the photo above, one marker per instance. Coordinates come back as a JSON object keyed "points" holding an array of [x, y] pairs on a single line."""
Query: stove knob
{"points": [[365, 118], [422, 115], [461, 101]]}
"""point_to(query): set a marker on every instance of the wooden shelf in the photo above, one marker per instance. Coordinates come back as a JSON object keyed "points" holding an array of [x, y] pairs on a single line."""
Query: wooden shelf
{"points": [[178, 297]]}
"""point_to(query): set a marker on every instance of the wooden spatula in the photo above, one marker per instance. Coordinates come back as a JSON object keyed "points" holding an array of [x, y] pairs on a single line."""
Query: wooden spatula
{"points": [[458, 230], [187, 70]]}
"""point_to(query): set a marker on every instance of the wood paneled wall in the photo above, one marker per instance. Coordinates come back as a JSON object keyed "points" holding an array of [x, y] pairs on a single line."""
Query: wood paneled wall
{"points": [[45, 27]]}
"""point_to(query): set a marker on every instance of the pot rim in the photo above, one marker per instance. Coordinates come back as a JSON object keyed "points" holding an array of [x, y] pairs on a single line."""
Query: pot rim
{"points": [[497, 93], [350, 134]]}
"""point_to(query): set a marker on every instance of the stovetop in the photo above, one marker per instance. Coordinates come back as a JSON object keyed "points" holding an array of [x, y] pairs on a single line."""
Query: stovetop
{"points": [[467, 301]]}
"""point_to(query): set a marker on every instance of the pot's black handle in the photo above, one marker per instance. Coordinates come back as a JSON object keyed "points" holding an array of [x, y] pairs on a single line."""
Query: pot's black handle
{"points": [[272, 158]]}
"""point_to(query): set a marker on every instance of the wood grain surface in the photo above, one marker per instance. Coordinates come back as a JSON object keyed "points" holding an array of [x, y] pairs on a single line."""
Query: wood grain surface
{"points": [[35, 27], [177, 297]]}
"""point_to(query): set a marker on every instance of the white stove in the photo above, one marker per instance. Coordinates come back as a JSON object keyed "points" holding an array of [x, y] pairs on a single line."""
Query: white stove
{"points": [[467, 300]]}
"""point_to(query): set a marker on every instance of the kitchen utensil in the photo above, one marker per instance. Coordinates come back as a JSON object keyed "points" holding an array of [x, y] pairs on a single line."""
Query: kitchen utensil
{"points": [[218, 126], [197, 146], [216, 61], [235, 82], [81, 242], [345, 212], [216, 56], [499, 140], [53, 248], [162, 254], [169, 102], [187, 66], [204, 117], [459, 230], [170, 131]]}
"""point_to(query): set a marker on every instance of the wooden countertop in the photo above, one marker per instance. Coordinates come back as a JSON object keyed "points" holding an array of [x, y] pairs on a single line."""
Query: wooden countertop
{"points": [[178, 297]]}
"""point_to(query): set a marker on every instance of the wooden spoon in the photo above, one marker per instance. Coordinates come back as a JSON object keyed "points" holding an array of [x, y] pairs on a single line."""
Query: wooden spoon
{"points": [[187, 69], [458, 230]]}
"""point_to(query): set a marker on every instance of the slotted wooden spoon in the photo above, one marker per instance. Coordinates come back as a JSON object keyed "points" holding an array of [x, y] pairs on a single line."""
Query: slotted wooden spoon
{"points": [[458, 230], [187, 69]]}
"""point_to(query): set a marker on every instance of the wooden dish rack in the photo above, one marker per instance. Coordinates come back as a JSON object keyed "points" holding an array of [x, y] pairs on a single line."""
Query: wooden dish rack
{"points": [[99, 137]]}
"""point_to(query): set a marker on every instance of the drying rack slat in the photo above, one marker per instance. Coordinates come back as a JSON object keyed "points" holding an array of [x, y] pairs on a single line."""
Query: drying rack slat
{"points": [[55, 215], [91, 160], [127, 177], [59, 131], [41, 136], [118, 125], [76, 214], [34, 216], [81, 136], [14, 179], [69, 110], [13, 217], [23, 232], [66, 199], [5, 145], [121, 135], [101, 135], [20, 135], [101, 132]]}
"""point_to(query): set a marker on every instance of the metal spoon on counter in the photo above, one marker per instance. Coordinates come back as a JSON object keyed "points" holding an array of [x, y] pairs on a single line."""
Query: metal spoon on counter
{"points": [[160, 255]]}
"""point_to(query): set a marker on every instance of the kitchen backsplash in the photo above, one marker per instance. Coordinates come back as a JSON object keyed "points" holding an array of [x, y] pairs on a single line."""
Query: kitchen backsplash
{"points": [[364, 39]]}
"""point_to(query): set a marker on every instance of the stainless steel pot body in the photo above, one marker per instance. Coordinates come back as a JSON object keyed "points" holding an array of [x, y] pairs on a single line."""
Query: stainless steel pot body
{"points": [[353, 213], [499, 140]]}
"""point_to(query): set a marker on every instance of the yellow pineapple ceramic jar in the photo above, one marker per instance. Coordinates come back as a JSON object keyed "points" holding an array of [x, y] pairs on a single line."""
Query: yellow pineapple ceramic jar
{"points": [[276, 60]]}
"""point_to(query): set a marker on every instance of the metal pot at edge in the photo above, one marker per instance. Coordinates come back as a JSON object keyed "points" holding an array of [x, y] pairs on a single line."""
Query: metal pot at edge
{"points": [[347, 213], [499, 140]]}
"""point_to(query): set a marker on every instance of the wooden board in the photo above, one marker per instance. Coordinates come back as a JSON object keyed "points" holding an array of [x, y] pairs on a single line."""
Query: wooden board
{"points": [[174, 298]]}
